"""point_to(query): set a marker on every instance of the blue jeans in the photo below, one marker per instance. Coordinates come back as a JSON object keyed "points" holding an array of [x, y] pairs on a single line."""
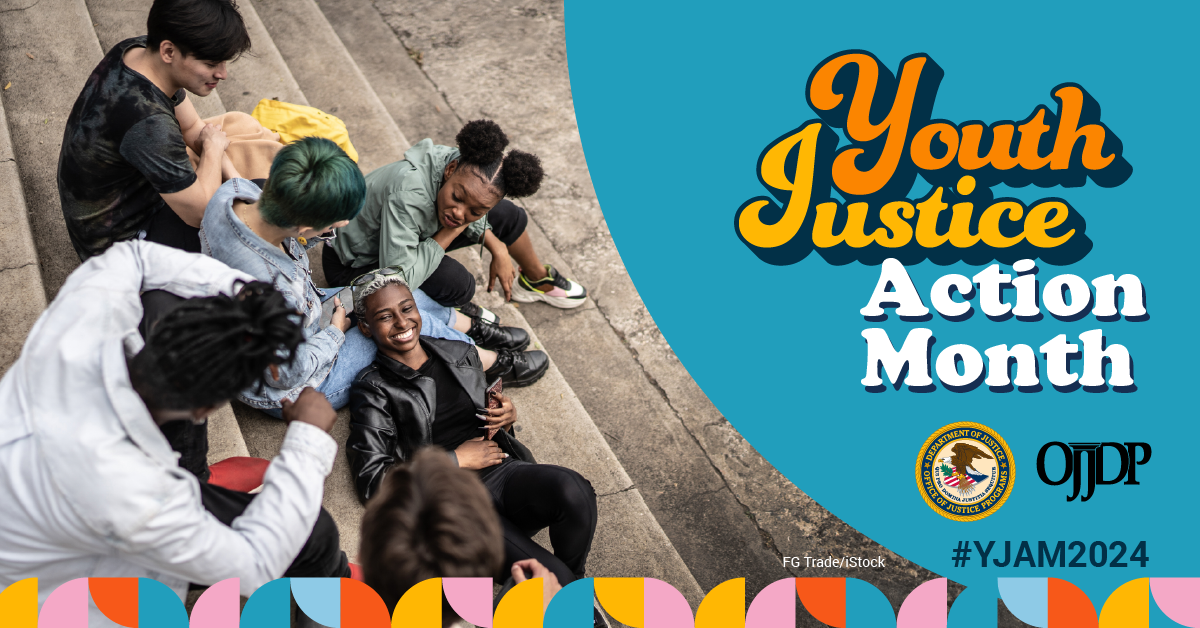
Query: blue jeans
{"points": [[358, 352]]}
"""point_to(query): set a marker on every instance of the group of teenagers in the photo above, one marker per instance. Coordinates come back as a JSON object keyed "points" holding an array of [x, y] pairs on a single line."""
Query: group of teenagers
{"points": [[195, 289]]}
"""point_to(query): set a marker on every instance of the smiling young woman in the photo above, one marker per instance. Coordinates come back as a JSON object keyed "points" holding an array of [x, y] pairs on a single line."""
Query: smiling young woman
{"points": [[442, 198], [422, 391]]}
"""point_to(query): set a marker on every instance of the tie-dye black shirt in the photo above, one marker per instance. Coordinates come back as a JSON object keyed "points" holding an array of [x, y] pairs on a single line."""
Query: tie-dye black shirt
{"points": [[121, 151]]}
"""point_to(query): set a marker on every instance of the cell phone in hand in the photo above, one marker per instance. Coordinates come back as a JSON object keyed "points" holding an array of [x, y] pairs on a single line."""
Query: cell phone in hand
{"points": [[347, 298], [492, 394]]}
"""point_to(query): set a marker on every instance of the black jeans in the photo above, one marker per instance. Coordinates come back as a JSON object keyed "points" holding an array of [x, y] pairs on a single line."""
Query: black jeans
{"points": [[530, 497], [185, 437], [191, 441], [321, 556], [450, 284], [166, 227]]}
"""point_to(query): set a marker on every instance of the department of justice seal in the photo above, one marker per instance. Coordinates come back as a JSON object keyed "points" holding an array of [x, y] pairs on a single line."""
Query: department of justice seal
{"points": [[965, 471]]}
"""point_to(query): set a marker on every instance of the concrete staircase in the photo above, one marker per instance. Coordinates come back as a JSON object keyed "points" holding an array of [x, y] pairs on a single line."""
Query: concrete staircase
{"points": [[49, 47], [683, 497]]}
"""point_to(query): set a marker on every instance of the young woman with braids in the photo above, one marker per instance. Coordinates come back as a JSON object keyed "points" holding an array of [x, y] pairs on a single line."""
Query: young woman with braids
{"points": [[442, 198], [89, 483]]}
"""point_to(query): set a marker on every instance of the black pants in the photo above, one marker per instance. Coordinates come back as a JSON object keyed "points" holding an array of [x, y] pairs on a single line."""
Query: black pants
{"points": [[530, 497], [185, 437], [191, 441], [450, 284], [321, 556], [166, 227]]}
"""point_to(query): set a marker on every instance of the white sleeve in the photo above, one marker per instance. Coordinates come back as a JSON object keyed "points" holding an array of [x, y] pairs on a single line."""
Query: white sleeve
{"points": [[103, 296], [184, 540], [136, 266]]}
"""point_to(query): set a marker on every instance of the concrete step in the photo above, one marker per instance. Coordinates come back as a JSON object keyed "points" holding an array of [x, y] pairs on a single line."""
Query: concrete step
{"points": [[58, 83], [727, 510], [559, 429], [225, 438], [331, 80], [402, 86], [19, 276], [48, 51], [629, 540], [627, 513]]}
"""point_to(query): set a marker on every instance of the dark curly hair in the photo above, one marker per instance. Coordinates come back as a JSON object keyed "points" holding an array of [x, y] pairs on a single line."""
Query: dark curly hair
{"points": [[205, 351], [481, 144]]}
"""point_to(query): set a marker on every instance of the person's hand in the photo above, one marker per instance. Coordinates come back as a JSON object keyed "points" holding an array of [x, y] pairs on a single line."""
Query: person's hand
{"points": [[310, 407], [550, 584], [479, 454], [500, 418], [503, 270], [213, 138], [339, 318]]}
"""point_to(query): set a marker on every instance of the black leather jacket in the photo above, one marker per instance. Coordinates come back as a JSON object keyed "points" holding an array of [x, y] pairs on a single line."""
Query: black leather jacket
{"points": [[392, 408]]}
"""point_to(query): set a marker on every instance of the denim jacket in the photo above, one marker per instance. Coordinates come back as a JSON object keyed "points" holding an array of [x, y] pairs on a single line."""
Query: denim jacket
{"points": [[224, 236]]}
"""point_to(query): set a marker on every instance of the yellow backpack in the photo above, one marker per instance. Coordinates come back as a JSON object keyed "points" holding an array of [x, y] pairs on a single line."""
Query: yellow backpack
{"points": [[292, 122]]}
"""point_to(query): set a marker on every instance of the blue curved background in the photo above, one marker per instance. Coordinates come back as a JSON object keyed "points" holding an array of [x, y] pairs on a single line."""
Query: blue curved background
{"points": [[675, 102]]}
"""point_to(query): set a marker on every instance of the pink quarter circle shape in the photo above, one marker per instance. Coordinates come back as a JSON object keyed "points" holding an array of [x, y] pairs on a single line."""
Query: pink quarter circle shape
{"points": [[471, 598]]}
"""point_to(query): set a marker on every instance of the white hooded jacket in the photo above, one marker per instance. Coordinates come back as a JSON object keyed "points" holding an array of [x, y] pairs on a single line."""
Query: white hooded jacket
{"points": [[89, 486]]}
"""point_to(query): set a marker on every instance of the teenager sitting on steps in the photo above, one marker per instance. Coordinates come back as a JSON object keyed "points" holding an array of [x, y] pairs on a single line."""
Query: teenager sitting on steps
{"points": [[123, 170], [442, 198], [89, 484], [428, 391]]}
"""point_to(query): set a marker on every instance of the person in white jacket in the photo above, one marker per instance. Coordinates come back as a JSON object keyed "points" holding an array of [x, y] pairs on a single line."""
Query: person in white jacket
{"points": [[88, 483]]}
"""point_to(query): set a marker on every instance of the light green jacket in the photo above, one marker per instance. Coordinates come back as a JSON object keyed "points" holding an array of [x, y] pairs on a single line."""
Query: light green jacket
{"points": [[398, 222]]}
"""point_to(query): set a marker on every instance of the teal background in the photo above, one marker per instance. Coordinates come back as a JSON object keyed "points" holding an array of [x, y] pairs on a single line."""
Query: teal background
{"points": [[675, 102]]}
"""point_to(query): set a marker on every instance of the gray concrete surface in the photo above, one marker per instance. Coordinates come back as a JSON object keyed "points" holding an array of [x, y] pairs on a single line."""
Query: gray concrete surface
{"points": [[402, 87], [629, 539], [481, 59], [47, 50], [727, 511], [224, 436], [18, 258], [260, 73], [330, 79]]}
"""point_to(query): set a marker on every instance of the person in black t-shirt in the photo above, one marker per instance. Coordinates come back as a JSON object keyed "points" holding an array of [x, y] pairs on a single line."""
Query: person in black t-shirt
{"points": [[423, 391], [123, 171]]}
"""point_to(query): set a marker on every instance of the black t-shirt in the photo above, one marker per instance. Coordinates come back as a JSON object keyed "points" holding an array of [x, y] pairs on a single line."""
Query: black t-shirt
{"points": [[454, 422], [122, 149]]}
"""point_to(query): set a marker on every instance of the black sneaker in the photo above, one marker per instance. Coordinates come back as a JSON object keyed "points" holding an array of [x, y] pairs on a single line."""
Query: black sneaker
{"points": [[518, 369], [479, 313], [497, 338]]}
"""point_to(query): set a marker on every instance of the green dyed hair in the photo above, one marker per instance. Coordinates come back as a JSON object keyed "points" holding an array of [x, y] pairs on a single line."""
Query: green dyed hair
{"points": [[313, 184]]}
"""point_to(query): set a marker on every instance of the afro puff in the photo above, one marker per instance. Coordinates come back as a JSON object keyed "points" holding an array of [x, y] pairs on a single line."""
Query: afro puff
{"points": [[481, 145]]}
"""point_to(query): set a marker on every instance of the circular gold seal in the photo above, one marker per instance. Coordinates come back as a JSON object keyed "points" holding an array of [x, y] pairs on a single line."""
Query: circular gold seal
{"points": [[965, 471]]}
